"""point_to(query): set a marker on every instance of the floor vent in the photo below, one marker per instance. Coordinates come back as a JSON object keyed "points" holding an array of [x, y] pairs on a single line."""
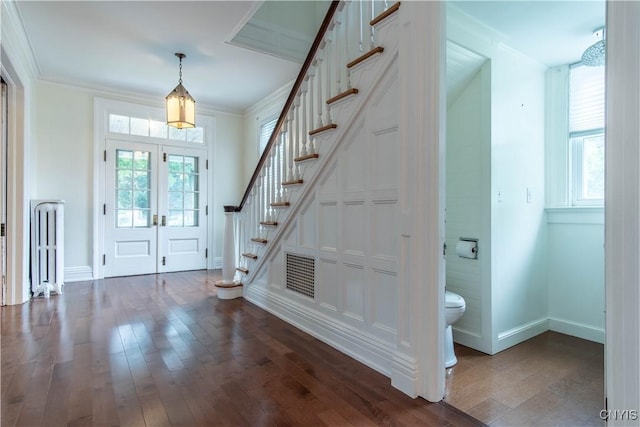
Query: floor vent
{"points": [[301, 274]]}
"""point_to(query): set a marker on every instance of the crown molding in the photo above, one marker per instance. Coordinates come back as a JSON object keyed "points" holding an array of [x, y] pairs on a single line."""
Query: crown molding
{"points": [[138, 97], [17, 40]]}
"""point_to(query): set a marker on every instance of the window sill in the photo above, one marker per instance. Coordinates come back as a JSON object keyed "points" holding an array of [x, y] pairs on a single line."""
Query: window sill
{"points": [[575, 215]]}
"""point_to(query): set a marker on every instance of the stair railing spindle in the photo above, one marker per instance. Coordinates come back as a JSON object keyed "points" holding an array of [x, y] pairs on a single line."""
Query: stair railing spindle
{"points": [[289, 144], [282, 162], [372, 39], [320, 106], [304, 135], [297, 135], [336, 57], [328, 51]]}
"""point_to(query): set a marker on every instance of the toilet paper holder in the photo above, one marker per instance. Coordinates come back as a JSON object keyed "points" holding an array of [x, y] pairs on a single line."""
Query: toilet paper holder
{"points": [[467, 247]]}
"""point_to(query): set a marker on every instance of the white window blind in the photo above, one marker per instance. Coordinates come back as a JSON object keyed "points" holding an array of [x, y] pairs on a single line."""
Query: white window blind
{"points": [[266, 129], [586, 98]]}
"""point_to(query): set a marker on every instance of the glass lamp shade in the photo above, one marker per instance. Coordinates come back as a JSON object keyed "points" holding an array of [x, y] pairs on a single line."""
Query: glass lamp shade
{"points": [[595, 55], [181, 108]]}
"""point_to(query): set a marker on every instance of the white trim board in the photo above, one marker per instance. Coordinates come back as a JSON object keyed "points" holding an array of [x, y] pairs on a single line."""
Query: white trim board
{"points": [[577, 329], [82, 273], [363, 347], [102, 108]]}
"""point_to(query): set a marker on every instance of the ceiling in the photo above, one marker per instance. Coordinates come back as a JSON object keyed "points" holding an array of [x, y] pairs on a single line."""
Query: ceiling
{"points": [[129, 46]]}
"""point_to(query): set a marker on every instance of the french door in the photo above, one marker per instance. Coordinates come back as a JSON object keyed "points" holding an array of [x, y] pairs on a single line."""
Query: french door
{"points": [[155, 210]]}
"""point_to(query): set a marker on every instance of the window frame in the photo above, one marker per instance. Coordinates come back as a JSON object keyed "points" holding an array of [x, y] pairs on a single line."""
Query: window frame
{"points": [[575, 142]]}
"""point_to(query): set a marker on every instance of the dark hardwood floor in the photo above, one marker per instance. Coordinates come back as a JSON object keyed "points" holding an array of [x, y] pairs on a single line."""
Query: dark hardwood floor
{"points": [[550, 380], [163, 350]]}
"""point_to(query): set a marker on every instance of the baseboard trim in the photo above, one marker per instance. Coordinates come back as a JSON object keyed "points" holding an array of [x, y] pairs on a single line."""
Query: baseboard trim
{"points": [[78, 274], [520, 333], [404, 374], [365, 348], [471, 340], [576, 329]]}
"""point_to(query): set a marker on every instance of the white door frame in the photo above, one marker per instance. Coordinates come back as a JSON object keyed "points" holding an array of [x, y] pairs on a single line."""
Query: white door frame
{"points": [[102, 108], [622, 211], [3, 190]]}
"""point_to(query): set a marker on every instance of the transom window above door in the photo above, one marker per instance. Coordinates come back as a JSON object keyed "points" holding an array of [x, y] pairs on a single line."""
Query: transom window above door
{"points": [[128, 125]]}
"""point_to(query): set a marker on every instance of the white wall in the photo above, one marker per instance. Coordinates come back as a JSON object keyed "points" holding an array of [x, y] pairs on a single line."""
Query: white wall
{"points": [[576, 234], [519, 236], [512, 231], [468, 207], [64, 163], [64, 167], [576, 272]]}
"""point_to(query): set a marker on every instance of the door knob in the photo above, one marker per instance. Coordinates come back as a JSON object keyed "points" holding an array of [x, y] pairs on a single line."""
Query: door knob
{"points": [[155, 220]]}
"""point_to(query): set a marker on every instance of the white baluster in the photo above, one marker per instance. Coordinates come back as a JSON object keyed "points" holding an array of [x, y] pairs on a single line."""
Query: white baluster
{"points": [[272, 194], [297, 134], [263, 196], [290, 143], [320, 106], [312, 71], [327, 61], [372, 39], [281, 165], [336, 56], [304, 135], [347, 28], [361, 18]]}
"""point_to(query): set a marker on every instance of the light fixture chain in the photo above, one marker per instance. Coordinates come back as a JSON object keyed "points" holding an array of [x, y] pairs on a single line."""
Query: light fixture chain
{"points": [[180, 80]]}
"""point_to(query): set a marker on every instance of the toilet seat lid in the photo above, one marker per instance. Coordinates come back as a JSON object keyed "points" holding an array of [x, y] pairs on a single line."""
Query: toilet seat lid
{"points": [[453, 300]]}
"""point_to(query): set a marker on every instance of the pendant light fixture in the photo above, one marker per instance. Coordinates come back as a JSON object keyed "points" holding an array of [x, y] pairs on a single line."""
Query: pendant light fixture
{"points": [[181, 107], [594, 55]]}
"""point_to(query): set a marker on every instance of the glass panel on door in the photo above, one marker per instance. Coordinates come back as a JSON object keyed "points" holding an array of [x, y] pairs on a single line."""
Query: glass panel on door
{"points": [[184, 189], [133, 189]]}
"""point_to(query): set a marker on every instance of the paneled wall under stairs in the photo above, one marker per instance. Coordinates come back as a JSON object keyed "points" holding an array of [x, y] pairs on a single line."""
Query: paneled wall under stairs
{"points": [[348, 223]]}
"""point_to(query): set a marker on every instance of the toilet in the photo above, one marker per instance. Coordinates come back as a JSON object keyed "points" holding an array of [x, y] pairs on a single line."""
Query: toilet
{"points": [[453, 310]]}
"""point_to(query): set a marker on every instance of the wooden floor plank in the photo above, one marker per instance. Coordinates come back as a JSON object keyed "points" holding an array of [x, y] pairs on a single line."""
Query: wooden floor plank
{"points": [[164, 350]]}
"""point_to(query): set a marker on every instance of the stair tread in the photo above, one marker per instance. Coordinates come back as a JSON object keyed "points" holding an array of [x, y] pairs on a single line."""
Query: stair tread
{"points": [[338, 97], [383, 15], [227, 286], [362, 58], [250, 255], [307, 157], [280, 204], [243, 270], [258, 240], [293, 182], [269, 223], [323, 128]]}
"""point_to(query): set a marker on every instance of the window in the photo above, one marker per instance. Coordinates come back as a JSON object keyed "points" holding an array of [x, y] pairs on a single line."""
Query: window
{"points": [[153, 128], [266, 129], [586, 134]]}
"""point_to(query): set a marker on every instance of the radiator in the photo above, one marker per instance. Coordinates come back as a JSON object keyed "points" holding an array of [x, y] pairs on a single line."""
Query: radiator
{"points": [[47, 246]]}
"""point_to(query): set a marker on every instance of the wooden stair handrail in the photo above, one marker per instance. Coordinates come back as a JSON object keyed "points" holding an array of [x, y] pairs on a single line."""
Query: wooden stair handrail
{"points": [[292, 95]]}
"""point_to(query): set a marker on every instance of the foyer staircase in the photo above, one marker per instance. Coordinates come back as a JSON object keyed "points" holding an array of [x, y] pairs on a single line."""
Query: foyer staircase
{"points": [[338, 70]]}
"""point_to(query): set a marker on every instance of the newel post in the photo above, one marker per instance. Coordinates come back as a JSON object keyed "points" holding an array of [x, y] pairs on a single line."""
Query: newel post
{"points": [[227, 287]]}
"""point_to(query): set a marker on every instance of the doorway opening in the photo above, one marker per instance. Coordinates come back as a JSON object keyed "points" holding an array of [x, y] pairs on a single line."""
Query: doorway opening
{"points": [[535, 291], [155, 208]]}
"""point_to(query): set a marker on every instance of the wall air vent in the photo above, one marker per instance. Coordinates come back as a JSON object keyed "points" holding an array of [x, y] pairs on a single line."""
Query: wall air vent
{"points": [[301, 274]]}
